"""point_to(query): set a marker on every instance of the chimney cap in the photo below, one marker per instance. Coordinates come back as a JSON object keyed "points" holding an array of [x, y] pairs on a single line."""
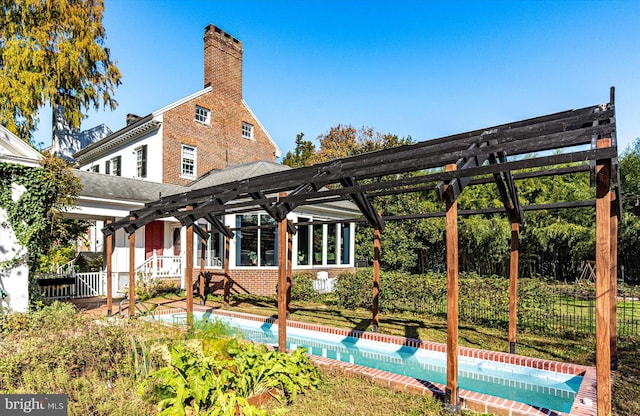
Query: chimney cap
{"points": [[132, 118], [214, 29]]}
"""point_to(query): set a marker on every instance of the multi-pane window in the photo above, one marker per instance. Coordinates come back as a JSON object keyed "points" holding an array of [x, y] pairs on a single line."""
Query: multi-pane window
{"points": [[323, 244], [202, 115], [113, 166], [213, 248], [188, 161], [95, 168], [247, 130], [256, 246], [141, 161], [304, 243], [345, 243]]}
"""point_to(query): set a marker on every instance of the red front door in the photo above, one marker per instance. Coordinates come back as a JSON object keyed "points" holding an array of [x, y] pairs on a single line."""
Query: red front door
{"points": [[153, 233]]}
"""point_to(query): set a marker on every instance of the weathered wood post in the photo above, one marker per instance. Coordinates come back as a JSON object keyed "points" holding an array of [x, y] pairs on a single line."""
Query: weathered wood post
{"points": [[202, 291], [289, 269], [451, 391], [109, 259], [282, 282], [188, 272], [513, 286], [613, 315], [603, 281], [225, 282], [375, 322]]}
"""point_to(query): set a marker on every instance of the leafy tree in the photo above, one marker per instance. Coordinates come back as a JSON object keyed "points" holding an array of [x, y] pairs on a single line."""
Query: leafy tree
{"points": [[629, 226], [303, 152], [52, 51]]}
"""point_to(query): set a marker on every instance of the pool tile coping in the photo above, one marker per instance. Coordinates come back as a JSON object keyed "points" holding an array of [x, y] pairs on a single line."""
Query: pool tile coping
{"points": [[585, 403]]}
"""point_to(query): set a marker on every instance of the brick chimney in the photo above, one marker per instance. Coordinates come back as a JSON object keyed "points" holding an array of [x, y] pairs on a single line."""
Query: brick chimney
{"points": [[222, 63]]}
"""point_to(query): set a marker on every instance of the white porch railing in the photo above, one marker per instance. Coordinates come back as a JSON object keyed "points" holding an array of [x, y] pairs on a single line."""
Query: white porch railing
{"points": [[67, 269], [79, 285], [161, 267]]}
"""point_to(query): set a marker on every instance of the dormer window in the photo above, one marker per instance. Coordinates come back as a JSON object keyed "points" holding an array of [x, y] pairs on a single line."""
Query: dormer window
{"points": [[202, 115], [247, 130]]}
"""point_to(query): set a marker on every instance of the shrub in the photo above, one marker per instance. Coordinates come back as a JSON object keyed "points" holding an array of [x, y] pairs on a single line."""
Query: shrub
{"points": [[354, 290], [302, 287]]}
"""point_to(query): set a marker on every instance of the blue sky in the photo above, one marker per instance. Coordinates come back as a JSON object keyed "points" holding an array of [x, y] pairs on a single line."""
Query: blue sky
{"points": [[421, 68]]}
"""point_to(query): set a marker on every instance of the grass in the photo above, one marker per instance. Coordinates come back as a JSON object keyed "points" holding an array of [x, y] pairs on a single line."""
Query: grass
{"points": [[357, 396]]}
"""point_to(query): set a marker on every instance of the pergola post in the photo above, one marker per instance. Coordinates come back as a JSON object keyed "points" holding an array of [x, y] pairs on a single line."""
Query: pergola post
{"points": [[452, 400], [513, 285], [225, 282], [132, 272], [109, 260], [375, 322], [603, 281], [289, 271], [202, 294], [613, 316], [188, 272], [282, 285]]}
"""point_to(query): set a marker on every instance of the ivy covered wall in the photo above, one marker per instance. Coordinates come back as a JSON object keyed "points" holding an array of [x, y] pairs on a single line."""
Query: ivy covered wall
{"points": [[33, 200]]}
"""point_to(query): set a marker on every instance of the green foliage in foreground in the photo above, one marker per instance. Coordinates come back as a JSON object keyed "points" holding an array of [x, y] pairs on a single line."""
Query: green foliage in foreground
{"points": [[97, 364], [217, 378]]}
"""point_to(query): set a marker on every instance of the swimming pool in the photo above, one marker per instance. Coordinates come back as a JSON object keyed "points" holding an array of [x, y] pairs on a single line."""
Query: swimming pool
{"points": [[535, 387]]}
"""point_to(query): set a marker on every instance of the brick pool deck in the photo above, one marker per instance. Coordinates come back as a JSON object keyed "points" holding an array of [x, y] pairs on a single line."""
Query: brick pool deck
{"points": [[585, 403]]}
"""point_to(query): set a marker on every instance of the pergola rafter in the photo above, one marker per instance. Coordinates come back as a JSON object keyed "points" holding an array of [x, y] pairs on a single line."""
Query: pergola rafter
{"points": [[583, 138]]}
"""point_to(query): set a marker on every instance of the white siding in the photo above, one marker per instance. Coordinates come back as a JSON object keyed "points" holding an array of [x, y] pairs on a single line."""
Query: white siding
{"points": [[127, 152], [14, 281]]}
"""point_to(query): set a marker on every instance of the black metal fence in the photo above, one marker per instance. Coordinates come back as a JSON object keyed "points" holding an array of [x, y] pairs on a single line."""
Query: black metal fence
{"points": [[569, 309]]}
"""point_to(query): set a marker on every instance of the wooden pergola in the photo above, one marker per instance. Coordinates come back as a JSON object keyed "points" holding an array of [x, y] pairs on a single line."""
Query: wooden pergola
{"points": [[557, 144]]}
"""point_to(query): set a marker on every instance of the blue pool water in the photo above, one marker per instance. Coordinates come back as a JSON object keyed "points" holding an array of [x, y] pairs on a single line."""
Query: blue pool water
{"points": [[538, 388]]}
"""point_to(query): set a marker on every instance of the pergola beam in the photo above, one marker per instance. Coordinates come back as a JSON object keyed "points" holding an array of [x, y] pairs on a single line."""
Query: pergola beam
{"points": [[560, 130], [434, 177], [462, 158]]}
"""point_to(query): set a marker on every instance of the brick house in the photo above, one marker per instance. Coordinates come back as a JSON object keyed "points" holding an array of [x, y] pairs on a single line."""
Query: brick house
{"points": [[208, 138], [210, 129]]}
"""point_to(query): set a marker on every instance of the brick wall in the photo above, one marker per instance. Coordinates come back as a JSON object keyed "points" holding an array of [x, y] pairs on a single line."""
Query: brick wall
{"points": [[222, 63], [260, 281], [220, 143]]}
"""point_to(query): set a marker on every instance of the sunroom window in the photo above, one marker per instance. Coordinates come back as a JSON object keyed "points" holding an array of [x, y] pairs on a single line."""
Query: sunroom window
{"points": [[323, 244], [213, 249], [256, 246]]}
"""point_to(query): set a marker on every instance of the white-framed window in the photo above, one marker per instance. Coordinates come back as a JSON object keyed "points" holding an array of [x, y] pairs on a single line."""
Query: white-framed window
{"points": [[323, 244], [95, 168], [247, 130], [257, 244], [113, 166], [188, 169], [202, 115], [213, 247], [141, 161]]}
